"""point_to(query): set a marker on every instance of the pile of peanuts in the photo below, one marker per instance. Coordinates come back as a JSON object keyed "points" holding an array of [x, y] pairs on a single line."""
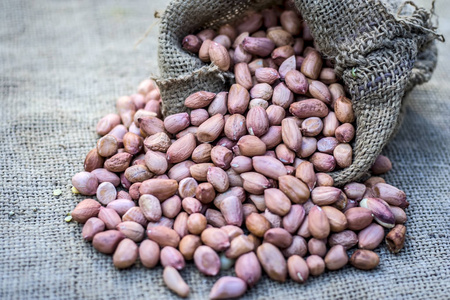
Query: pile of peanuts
{"points": [[241, 179]]}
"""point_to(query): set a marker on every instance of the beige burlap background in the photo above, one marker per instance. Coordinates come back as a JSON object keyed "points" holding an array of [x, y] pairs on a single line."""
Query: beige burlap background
{"points": [[63, 64]]}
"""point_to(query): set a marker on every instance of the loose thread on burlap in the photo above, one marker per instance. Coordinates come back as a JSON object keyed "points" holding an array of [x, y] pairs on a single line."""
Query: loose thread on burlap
{"points": [[404, 19], [157, 16]]}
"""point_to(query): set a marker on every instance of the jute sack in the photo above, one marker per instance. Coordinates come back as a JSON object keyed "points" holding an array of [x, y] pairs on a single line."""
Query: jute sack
{"points": [[379, 53]]}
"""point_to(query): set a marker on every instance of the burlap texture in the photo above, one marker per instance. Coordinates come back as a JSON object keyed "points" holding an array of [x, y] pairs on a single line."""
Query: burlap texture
{"points": [[379, 55], [62, 66]]}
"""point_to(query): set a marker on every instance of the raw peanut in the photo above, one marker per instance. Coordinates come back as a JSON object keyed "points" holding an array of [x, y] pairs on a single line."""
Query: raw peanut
{"points": [[257, 224], [219, 56], [85, 210], [343, 155], [258, 46], [221, 157], [370, 237], [132, 143], [215, 218], [235, 127], [170, 256], [228, 287], [238, 246], [107, 146], [298, 269], [242, 56], [86, 183], [106, 242], [191, 43], [157, 142], [215, 238], [273, 137], [318, 223], [345, 133], [319, 91], [210, 130], [202, 153], [188, 245], [380, 210], [206, 34], [275, 114], [323, 179], [92, 227], [196, 223], [305, 172], [282, 95], [381, 165], [197, 117], [312, 65], [107, 123], [199, 171], [288, 65], [104, 175], [269, 166], [325, 195], [261, 91], [297, 82], [338, 221], [266, 75], [187, 187], [163, 236], [132, 230], [137, 173], [180, 170], [126, 254], [180, 224], [160, 188], [284, 154], [280, 54], [293, 219], [291, 23], [141, 113], [308, 147], [390, 194], [171, 207], [272, 261], [175, 282], [135, 214], [205, 192], [274, 219], [279, 36], [238, 99], [156, 162], [151, 125], [358, 218], [309, 108], [181, 149], [279, 237], [176, 122], [364, 259], [255, 183], [218, 179], [355, 190], [134, 190], [297, 247], [343, 109], [247, 268], [207, 260], [239, 39], [118, 162], [346, 238], [291, 134], [372, 181], [232, 231], [242, 75], [316, 265], [106, 193], [330, 124], [231, 209], [399, 214], [93, 161], [250, 145], [317, 247], [312, 126], [257, 121], [336, 258], [241, 164], [395, 239], [151, 207], [119, 132], [110, 217], [277, 202], [162, 222], [238, 192], [323, 162]]}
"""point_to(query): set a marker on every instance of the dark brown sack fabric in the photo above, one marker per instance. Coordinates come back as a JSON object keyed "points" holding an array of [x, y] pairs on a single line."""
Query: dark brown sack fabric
{"points": [[379, 54]]}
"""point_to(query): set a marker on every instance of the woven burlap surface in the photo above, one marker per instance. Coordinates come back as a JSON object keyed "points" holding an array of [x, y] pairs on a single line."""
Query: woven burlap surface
{"points": [[63, 64]]}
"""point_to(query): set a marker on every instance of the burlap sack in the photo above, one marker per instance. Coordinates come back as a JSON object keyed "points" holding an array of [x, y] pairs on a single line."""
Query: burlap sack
{"points": [[378, 54]]}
